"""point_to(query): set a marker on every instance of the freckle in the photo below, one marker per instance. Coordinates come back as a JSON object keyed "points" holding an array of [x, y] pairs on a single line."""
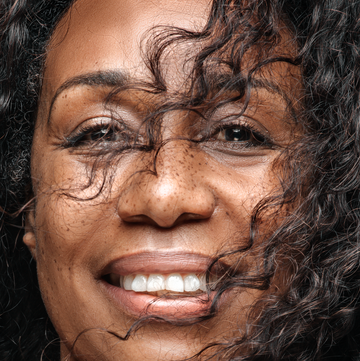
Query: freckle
{"points": [[69, 268], [68, 230], [227, 213], [54, 260], [191, 155], [42, 251], [177, 174], [199, 163], [127, 201]]}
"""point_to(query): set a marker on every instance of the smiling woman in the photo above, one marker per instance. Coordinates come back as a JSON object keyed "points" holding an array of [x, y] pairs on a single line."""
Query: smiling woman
{"points": [[184, 178]]}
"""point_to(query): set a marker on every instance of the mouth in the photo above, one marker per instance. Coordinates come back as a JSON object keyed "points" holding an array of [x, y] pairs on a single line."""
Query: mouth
{"points": [[166, 285]]}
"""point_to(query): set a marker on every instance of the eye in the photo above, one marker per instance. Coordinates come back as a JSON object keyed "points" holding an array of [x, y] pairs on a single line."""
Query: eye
{"points": [[103, 134], [93, 135], [240, 134]]}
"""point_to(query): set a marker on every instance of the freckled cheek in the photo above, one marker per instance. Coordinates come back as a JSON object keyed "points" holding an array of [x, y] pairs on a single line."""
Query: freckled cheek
{"points": [[259, 192], [62, 231], [52, 260], [246, 189], [53, 170], [53, 277], [59, 293], [60, 264]]}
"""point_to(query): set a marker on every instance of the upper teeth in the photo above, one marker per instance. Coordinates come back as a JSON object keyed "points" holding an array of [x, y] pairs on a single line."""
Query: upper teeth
{"points": [[156, 282]]}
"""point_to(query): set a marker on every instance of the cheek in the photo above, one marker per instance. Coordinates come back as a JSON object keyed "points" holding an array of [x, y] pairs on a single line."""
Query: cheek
{"points": [[69, 252], [65, 228], [241, 189]]}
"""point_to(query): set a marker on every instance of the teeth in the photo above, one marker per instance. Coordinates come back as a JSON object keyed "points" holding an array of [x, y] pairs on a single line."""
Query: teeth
{"points": [[191, 283], [128, 282], [202, 280], [139, 283], [155, 283], [174, 282]]}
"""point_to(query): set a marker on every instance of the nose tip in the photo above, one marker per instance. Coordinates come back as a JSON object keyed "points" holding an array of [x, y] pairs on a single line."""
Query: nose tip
{"points": [[166, 200]]}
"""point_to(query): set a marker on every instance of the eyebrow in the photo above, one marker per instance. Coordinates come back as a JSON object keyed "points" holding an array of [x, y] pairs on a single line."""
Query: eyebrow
{"points": [[119, 78], [225, 81], [107, 78]]}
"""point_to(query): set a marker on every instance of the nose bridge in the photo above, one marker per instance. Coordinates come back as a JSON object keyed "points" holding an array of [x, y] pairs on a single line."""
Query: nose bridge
{"points": [[174, 193], [175, 162]]}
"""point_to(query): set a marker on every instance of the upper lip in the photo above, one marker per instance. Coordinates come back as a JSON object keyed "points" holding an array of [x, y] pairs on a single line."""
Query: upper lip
{"points": [[164, 262]]}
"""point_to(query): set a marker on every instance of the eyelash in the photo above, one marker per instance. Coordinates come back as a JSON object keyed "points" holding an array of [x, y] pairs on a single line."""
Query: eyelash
{"points": [[111, 132], [102, 130], [254, 138]]}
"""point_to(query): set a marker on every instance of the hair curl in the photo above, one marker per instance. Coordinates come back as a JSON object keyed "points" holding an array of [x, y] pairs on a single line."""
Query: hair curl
{"points": [[317, 317]]}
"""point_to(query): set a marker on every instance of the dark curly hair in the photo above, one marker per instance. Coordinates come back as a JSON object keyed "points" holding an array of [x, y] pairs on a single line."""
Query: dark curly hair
{"points": [[317, 316]]}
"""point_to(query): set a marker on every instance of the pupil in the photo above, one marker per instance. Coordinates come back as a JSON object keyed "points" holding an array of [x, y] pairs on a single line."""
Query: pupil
{"points": [[104, 134], [236, 134]]}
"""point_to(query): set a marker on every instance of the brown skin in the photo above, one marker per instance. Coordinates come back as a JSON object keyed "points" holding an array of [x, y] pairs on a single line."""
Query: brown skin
{"points": [[201, 198]]}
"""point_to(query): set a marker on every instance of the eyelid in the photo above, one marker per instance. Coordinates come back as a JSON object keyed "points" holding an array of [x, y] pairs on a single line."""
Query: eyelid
{"points": [[90, 125], [234, 113], [243, 121]]}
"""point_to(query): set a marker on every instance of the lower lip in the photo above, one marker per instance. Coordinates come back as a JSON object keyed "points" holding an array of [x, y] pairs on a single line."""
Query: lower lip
{"points": [[140, 304]]}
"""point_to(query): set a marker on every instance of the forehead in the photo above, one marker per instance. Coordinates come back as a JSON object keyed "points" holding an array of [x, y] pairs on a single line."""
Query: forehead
{"points": [[96, 35]]}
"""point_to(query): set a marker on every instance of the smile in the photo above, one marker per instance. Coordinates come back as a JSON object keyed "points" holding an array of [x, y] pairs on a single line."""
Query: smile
{"points": [[166, 285], [156, 283]]}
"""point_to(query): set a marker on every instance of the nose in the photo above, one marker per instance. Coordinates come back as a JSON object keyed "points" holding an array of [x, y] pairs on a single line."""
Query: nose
{"points": [[177, 192]]}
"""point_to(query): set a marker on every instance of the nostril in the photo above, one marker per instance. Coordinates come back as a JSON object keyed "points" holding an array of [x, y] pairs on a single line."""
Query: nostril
{"points": [[140, 218], [191, 217], [165, 212], [166, 222]]}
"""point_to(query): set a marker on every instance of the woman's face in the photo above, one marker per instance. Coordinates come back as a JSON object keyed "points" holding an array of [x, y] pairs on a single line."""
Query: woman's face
{"points": [[142, 224]]}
